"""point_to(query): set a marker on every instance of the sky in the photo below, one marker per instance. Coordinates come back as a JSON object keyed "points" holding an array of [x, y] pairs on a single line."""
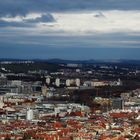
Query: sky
{"points": [[70, 29]]}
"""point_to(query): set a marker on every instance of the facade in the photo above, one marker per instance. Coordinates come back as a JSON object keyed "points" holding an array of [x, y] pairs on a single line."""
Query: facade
{"points": [[117, 103], [77, 82], [48, 80], [3, 80], [30, 114], [57, 82]]}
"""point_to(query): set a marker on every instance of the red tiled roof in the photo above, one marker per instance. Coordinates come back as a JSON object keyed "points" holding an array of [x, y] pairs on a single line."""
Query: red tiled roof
{"points": [[137, 130], [120, 129], [78, 113], [121, 115], [121, 138], [57, 125]]}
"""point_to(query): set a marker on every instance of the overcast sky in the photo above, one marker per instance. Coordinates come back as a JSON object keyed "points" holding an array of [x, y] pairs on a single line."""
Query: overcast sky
{"points": [[70, 29]]}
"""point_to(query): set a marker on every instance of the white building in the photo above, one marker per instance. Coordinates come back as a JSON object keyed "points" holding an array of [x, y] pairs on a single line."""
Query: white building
{"points": [[44, 90], [57, 82], [100, 83], [77, 82], [30, 114], [48, 80], [78, 70], [68, 82], [16, 82]]}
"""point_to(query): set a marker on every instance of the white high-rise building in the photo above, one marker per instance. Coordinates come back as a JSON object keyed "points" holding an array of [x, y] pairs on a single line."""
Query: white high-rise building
{"points": [[16, 82], [57, 82], [68, 82], [44, 90], [77, 82], [48, 80], [119, 82], [78, 70], [30, 114], [56, 111]]}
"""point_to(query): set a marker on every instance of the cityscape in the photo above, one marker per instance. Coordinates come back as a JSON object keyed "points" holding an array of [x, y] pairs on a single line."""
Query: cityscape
{"points": [[41, 100], [69, 69]]}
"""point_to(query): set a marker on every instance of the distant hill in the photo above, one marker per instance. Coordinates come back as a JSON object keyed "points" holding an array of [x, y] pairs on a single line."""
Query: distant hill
{"points": [[63, 61], [25, 67], [92, 61]]}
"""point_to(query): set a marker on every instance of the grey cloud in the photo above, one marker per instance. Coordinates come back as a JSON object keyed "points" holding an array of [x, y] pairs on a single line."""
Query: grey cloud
{"points": [[68, 47], [112, 40], [99, 15], [45, 18], [13, 24], [22, 7]]}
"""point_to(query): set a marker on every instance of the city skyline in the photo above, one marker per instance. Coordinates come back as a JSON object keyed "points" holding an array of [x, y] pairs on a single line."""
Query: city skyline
{"points": [[65, 29]]}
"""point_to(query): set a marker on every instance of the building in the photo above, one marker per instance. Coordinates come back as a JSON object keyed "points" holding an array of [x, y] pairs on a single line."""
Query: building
{"points": [[100, 83], [68, 82], [48, 80], [44, 90], [3, 79], [16, 82], [117, 103], [57, 82], [30, 114], [77, 82]]}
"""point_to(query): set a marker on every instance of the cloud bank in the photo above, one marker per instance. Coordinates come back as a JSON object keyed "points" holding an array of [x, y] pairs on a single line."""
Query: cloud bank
{"points": [[68, 24], [23, 7]]}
